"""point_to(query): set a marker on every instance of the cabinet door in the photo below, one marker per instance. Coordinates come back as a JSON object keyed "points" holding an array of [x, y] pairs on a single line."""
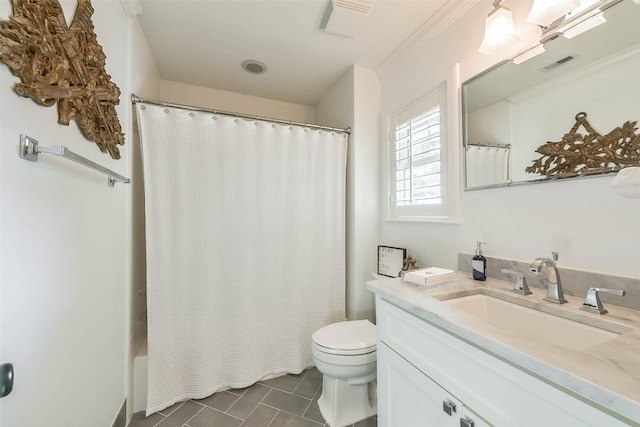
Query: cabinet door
{"points": [[408, 398], [468, 418]]}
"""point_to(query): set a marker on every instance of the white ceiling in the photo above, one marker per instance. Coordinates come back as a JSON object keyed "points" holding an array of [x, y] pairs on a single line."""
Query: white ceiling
{"points": [[204, 42]]}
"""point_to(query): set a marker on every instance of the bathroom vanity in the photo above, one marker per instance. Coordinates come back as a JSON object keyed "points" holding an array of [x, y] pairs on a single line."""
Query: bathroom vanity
{"points": [[477, 354]]}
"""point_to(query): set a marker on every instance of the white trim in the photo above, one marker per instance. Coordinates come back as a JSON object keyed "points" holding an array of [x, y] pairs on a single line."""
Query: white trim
{"points": [[429, 220], [449, 211], [435, 98], [454, 143], [442, 19]]}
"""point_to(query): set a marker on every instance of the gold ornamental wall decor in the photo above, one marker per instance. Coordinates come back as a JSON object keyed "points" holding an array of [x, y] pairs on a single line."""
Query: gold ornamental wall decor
{"points": [[590, 153], [63, 64]]}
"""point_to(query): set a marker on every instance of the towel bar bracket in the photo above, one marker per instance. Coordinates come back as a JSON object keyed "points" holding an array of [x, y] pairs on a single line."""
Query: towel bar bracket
{"points": [[29, 150]]}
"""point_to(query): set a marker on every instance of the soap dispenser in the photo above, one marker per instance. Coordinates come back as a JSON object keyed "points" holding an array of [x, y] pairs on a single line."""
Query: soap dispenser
{"points": [[479, 263]]}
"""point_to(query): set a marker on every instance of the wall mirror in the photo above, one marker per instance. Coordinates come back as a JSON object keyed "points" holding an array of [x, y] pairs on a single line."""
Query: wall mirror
{"points": [[514, 108]]}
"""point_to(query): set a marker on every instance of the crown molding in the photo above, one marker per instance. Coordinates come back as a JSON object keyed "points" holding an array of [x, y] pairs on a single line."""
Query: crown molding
{"points": [[444, 17]]}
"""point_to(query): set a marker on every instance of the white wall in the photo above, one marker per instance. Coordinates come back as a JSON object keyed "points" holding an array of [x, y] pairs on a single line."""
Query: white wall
{"points": [[590, 225], [64, 274], [491, 125], [145, 78], [181, 93], [145, 83], [353, 101]]}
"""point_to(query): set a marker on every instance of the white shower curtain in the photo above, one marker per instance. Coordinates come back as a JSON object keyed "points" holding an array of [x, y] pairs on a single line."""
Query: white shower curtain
{"points": [[487, 165], [245, 236]]}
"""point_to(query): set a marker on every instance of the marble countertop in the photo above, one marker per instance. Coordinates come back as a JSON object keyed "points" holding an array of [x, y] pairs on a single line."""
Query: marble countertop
{"points": [[605, 375]]}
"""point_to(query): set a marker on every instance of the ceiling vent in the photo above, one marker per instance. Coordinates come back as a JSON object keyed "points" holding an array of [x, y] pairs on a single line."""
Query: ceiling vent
{"points": [[559, 62], [253, 66], [345, 17]]}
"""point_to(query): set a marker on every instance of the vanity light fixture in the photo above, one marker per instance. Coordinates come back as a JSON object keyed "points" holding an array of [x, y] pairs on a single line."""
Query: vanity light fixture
{"points": [[498, 30], [527, 55], [545, 12], [585, 25]]}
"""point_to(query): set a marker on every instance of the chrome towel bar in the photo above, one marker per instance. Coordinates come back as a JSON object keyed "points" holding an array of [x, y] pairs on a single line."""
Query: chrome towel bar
{"points": [[29, 150]]}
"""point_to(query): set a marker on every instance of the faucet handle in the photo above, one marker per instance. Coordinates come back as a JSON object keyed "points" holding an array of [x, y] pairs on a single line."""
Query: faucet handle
{"points": [[520, 286], [592, 301]]}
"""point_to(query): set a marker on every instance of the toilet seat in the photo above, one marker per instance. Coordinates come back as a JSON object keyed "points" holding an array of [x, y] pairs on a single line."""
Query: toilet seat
{"points": [[349, 338], [338, 352]]}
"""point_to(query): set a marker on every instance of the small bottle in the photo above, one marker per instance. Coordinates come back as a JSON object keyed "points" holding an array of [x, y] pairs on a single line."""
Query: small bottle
{"points": [[479, 263]]}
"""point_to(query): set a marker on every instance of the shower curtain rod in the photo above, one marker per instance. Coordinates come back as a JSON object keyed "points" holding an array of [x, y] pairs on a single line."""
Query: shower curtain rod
{"points": [[136, 99]]}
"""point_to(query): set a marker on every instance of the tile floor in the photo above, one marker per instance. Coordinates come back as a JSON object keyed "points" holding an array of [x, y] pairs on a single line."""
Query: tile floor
{"points": [[286, 401]]}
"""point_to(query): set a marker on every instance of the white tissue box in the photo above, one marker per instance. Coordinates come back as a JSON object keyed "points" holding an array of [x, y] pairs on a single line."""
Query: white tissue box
{"points": [[429, 276]]}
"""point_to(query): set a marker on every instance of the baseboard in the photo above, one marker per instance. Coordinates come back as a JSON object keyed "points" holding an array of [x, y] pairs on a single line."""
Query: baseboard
{"points": [[121, 418]]}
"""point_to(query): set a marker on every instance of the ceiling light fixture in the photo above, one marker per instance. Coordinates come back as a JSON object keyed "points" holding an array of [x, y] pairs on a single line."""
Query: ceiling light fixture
{"points": [[545, 12], [498, 30], [254, 67]]}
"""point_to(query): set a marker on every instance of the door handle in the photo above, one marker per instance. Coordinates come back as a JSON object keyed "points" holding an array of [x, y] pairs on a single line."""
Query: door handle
{"points": [[6, 379]]}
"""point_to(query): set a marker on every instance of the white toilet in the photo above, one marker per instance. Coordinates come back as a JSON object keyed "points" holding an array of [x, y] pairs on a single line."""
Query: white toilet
{"points": [[345, 353]]}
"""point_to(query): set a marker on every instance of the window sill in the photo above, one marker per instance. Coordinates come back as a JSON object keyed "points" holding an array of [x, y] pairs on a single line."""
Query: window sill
{"points": [[432, 220]]}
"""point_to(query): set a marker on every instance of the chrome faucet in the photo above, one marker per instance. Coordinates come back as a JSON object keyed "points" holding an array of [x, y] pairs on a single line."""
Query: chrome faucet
{"points": [[520, 285], [554, 286], [592, 301]]}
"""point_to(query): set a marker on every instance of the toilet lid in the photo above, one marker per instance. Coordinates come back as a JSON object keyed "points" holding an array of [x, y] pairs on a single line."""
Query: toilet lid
{"points": [[350, 337]]}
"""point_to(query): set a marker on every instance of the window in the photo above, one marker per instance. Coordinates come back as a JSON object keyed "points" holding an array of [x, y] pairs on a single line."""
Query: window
{"points": [[417, 159], [419, 179]]}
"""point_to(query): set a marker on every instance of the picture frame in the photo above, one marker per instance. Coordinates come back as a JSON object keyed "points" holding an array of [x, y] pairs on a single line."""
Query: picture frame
{"points": [[390, 260]]}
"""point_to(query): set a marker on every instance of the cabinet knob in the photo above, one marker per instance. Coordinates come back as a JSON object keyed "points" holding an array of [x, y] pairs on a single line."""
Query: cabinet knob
{"points": [[448, 406], [466, 422]]}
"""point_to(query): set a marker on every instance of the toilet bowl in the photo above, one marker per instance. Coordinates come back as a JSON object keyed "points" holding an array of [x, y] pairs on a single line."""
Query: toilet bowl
{"points": [[345, 353]]}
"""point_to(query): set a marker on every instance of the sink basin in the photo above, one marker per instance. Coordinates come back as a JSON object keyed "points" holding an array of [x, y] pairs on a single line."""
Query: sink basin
{"points": [[533, 324]]}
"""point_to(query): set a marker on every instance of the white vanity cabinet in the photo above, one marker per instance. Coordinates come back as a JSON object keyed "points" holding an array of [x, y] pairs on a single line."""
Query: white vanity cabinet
{"points": [[409, 398], [421, 365]]}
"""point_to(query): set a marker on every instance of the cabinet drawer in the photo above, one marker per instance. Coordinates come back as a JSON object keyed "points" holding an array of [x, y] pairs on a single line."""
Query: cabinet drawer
{"points": [[480, 379]]}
